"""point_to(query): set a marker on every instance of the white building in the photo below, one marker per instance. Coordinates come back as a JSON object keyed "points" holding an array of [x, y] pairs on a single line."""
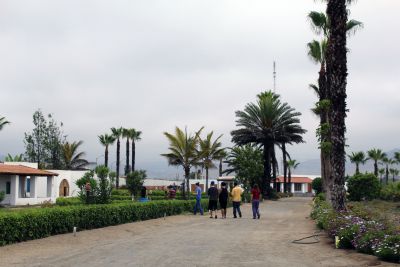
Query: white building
{"points": [[24, 184]]}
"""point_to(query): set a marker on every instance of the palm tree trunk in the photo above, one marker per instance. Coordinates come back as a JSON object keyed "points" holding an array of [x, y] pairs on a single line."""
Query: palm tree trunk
{"points": [[206, 178], [284, 167], [336, 70], [127, 157], [387, 174], [376, 168], [187, 175], [290, 180], [274, 166], [106, 157], [357, 168], [220, 167], [133, 155], [266, 181], [117, 164]]}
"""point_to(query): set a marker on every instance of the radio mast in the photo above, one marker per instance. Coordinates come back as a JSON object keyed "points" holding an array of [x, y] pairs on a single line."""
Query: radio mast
{"points": [[274, 74]]}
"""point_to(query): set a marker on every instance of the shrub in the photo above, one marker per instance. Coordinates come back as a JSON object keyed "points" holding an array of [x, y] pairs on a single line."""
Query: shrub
{"points": [[67, 201], [389, 248], [363, 187], [317, 185], [105, 185], [134, 181], [38, 223], [391, 192], [2, 195], [120, 192]]}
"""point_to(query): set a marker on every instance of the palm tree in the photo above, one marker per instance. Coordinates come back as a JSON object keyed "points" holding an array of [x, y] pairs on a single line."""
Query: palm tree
{"points": [[394, 172], [397, 157], [3, 122], [357, 158], [16, 158], [71, 157], [223, 155], [117, 133], [262, 124], [183, 151], [106, 140], [377, 156], [135, 136], [209, 151], [387, 162], [292, 165], [127, 134], [381, 173]]}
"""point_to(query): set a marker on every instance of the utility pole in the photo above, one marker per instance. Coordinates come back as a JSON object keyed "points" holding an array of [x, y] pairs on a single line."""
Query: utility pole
{"points": [[274, 74]]}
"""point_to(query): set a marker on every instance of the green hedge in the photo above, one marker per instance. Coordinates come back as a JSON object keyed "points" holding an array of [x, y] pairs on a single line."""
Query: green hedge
{"points": [[42, 222]]}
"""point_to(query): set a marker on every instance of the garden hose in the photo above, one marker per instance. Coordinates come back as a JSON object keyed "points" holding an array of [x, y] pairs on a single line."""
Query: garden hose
{"points": [[315, 236]]}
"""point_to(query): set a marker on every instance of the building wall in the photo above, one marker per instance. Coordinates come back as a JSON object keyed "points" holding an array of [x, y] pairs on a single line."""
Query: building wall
{"points": [[3, 180]]}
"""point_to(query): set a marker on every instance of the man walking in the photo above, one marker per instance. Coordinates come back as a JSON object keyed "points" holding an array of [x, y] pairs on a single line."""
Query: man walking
{"points": [[198, 206], [236, 199], [213, 200]]}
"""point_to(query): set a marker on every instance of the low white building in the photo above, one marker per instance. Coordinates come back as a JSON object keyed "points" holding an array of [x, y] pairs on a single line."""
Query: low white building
{"points": [[25, 184]]}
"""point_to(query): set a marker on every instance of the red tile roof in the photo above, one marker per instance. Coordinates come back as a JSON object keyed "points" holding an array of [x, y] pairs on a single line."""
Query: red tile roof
{"points": [[296, 180], [23, 170]]}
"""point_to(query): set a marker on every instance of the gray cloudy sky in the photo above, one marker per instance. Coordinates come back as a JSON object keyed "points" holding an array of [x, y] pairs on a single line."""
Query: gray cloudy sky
{"points": [[154, 65]]}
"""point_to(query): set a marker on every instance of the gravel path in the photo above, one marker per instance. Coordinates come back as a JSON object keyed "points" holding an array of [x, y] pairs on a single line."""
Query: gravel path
{"points": [[189, 240]]}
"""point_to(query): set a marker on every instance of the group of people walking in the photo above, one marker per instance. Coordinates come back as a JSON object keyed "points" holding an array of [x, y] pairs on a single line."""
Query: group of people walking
{"points": [[221, 195]]}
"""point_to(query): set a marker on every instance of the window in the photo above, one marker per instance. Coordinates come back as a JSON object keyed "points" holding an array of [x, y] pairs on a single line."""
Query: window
{"points": [[297, 187], [8, 188]]}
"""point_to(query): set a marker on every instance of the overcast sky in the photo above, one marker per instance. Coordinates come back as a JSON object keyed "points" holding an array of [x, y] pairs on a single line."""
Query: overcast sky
{"points": [[154, 65]]}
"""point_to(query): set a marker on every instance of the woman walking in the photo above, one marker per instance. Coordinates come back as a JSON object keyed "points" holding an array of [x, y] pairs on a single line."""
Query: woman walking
{"points": [[223, 199], [255, 201]]}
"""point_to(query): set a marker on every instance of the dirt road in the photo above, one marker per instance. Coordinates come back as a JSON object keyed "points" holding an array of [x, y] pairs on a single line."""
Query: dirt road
{"points": [[189, 240]]}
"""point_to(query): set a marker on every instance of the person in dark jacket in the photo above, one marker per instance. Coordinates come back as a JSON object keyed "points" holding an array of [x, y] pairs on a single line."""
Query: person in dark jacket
{"points": [[213, 200], [223, 199]]}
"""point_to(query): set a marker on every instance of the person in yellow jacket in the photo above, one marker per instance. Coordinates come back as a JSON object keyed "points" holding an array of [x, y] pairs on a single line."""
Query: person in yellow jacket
{"points": [[236, 199]]}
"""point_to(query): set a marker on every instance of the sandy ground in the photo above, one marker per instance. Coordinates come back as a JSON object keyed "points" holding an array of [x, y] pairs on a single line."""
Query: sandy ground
{"points": [[189, 240]]}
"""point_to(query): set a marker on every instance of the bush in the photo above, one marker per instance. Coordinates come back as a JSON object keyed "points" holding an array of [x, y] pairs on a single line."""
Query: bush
{"points": [[134, 182], [68, 201], [38, 223], [317, 185], [120, 192], [2, 195], [389, 248], [391, 192], [363, 187]]}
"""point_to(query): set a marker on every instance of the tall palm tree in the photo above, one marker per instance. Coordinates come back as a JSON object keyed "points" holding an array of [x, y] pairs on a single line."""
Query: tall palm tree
{"points": [[3, 122], [397, 157], [183, 151], [377, 156], [117, 134], [72, 158], [106, 140], [381, 173], [357, 158], [387, 162], [262, 123], [223, 155], [292, 165], [394, 172], [127, 134], [210, 150], [16, 158], [135, 136]]}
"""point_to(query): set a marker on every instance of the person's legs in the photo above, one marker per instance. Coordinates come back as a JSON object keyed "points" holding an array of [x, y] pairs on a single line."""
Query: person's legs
{"points": [[253, 207], [200, 207], [238, 208], [234, 204], [258, 208]]}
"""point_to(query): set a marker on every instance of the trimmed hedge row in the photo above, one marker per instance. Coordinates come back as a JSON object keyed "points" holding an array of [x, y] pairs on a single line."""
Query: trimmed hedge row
{"points": [[38, 223]]}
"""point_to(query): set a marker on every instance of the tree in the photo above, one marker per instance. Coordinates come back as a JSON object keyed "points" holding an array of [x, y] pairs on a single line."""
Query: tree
{"points": [[247, 164], [387, 162], [263, 123], [317, 185], [135, 136], [292, 165], [71, 157], [43, 144], [105, 186], [16, 158], [394, 173], [381, 173], [117, 133], [377, 156], [397, 157], [357, 158], [106, 140], [127, 134], [317, 51], [135, 180], [3, 122], [223, 155], [183, 151], [210, 150]]}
